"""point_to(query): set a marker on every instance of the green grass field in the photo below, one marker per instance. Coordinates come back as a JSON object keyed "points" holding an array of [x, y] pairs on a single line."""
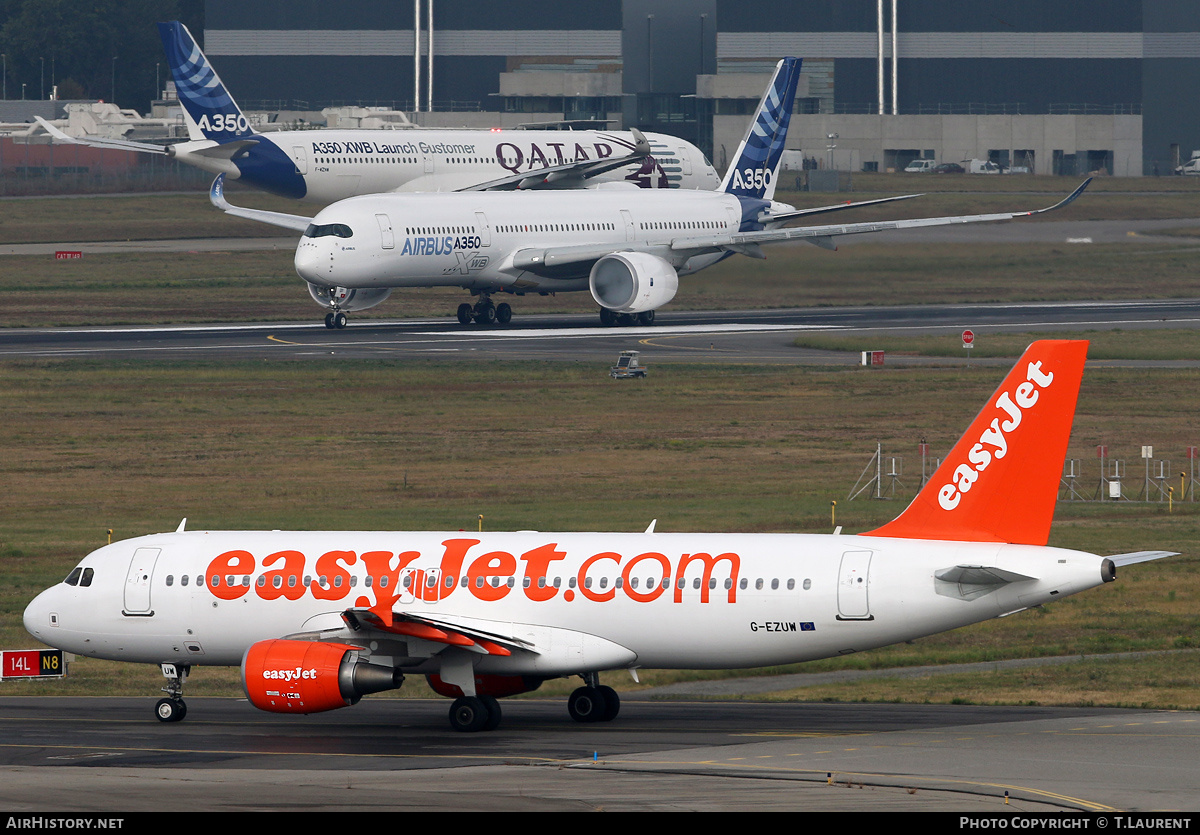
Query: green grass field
{"points": [[135, 446]]}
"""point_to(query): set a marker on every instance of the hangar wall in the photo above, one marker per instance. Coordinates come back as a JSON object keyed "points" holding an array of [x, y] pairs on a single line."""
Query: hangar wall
{"points": [[1050, 68]]}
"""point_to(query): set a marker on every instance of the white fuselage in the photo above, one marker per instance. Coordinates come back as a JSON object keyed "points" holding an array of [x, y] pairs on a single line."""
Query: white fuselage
{"points": [[582, 601], [491, 240], [324, 166]]}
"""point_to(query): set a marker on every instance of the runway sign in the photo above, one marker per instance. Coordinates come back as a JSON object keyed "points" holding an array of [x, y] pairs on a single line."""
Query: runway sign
{"points": [[32, 663]]}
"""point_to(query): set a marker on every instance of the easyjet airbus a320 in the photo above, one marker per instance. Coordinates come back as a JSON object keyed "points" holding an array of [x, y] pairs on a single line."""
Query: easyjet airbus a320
{"points": [[317, 620], [627, 247]]}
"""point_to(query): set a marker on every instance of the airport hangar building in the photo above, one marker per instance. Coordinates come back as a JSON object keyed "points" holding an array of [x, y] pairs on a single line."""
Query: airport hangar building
{"points": [[1049, 85]]}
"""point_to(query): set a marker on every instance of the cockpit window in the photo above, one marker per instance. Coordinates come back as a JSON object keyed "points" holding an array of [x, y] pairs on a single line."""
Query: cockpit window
{"points": [[86, 579], [73, 577], [338, 230]]}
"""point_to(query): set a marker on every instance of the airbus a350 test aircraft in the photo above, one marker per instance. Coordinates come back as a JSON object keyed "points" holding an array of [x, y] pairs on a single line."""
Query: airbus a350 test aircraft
{"points": [[319, 619], [627, 247], [322, 166]]}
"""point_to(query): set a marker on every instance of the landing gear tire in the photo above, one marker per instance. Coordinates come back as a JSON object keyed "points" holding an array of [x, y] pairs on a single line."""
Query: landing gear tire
{"points": [[339, 320], [503, 313], [170, 710], [485, 313], [587, 704], [494, 712], [329, 320], [612, 703], [607, 317], [470, 714], [646, 317], [465, 314]]}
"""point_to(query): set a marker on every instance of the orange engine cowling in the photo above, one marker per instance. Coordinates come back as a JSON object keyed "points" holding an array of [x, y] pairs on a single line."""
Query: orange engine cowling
{"points": [[283, 676], [487, 685]]}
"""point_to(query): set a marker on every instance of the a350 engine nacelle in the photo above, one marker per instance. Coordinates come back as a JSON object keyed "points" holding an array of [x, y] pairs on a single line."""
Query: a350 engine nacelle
{"points": [[347, 299], [632, 282], [283, 676]]}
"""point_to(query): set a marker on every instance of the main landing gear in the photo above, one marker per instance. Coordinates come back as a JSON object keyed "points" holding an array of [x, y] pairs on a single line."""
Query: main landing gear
{"points": [[335, 320], [475, 713], [610, 318], [594, 702], [173, 708], [484, 312]]}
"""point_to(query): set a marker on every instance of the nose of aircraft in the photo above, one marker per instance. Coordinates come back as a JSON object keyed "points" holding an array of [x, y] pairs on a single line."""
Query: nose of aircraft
{"points": [[314, 261], [37, 615]]}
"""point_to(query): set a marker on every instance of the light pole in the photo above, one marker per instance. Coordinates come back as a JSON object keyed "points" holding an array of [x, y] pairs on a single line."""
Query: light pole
{"points": [[832, 137]]}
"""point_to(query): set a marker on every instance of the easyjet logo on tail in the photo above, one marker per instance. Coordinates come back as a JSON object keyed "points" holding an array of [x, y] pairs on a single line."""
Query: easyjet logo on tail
{"points": [[993, 441], [1000, 481]]}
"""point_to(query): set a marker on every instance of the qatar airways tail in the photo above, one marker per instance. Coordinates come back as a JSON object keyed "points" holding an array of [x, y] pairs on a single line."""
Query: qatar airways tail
{"points": [[318, 619]]}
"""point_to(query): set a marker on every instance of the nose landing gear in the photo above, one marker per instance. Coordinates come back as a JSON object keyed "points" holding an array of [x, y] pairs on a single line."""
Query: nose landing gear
{"points": [[335, 320], [172, 708]]}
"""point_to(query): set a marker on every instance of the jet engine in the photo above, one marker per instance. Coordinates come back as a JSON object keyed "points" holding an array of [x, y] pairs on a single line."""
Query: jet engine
{"points": [[347, 299], [283, 676], [632, 282]]}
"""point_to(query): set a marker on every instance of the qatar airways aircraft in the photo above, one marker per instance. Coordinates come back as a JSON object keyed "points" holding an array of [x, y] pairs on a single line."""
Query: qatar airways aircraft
{"points": [[322, 166], [627, 248], [316, 620]]}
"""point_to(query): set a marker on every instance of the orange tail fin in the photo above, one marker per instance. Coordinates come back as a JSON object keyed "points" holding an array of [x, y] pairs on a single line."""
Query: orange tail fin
{"points": [[1000, 482]]}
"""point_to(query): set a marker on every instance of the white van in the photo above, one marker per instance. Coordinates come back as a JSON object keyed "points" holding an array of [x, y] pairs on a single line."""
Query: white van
{"points": [[980, 166], [920, 166], [1192, 166]]}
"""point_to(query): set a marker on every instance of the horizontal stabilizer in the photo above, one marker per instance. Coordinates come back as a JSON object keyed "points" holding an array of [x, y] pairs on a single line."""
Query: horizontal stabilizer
{"points": [[1140, 556], [101, 142], [227, 151]]}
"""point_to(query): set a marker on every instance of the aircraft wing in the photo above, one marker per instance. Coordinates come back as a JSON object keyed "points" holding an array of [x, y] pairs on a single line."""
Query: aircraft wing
{"points": [[573, 261], [568, 175], [100, 142], [216, 194], [465, 635], [780, 218], [823, 235]]}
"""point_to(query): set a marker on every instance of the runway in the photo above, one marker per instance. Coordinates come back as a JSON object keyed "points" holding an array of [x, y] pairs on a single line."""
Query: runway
{"points": [[755, 336], [109, 754]]}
